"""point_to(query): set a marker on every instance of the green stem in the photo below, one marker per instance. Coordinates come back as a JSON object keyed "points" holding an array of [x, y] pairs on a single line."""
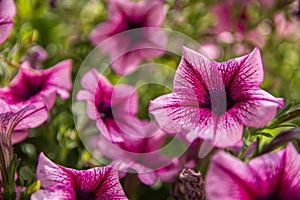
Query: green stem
{"points": [[16, 65]]}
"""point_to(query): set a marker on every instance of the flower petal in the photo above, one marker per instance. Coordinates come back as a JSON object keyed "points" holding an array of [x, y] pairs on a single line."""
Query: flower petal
{"points": [[257, 110], [48, 96], [242, 73], [229, 178], [290, 181], [125, 98], [91, 79], [60, 77], [19, 135], [269, 169], [6, 25], [154, 13], [31, 116], [126, 63], [7, 8], [104, 31], [167, 112], [4, 107], [222, 131], [148, 178], [102, 182], [54, 193], [52, 175]]}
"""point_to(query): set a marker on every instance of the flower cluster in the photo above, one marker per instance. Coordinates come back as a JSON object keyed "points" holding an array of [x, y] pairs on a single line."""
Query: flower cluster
{"points": [[212, 137]]}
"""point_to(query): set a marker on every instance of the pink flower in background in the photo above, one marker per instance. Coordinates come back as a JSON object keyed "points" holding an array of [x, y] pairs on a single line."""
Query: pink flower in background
{"points": [[213, 101], [29, 87], [7, 12], [111, 106], [236, 27], [35, 55], [284, 27], [228, 20], [126, 50], [270, 176], [140, 152], [58, 182]]}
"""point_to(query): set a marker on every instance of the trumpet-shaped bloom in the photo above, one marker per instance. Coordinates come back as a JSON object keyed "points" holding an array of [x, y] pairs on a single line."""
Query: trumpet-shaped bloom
{"points": [[20, 118], [35, 56], [213, 101], [270, 176], [42, 86], [7, 11], [126, 50], [111, 106], [13, 124], [140, 152], [58, 182]]}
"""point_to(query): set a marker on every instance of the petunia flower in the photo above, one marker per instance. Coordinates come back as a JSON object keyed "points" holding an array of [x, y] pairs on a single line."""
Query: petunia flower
{"points": [[111, 106], [14, 120], [270, 176], [7, 12], [126, 50], [58, 182], [35, 55], [236, 26], [139, 152], [213, 101], [42, 86]]}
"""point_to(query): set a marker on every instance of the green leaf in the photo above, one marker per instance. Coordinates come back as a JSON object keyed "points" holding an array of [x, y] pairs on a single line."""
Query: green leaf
{"points": [[263, 134], [285, 109], [281, 139], [33, 187]]}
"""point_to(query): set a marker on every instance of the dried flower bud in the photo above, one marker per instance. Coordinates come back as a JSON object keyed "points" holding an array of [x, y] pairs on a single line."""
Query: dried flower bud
{"points": [[189, 186]]}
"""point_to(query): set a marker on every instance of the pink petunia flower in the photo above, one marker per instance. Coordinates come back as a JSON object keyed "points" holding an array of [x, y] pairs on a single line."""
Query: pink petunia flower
{"points": [[270, 176], [7, 12], [111, 106], [236, 26], [29, 87], [126, 50], [14, 120], [35, 55], [284, 27], [213, 101], [58, 182], [141, 153]]}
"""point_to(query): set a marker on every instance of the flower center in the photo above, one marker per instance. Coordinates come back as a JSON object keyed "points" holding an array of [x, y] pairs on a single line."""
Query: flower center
{"points": [[32, 86], [133, 24], [271, 197], [105, 110], [136, 35], [84, 194], [219, 101], [32, 90]]}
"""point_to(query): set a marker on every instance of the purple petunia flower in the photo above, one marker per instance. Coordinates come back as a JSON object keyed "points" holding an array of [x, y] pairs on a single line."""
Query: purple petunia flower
{"points": [[35, 55], [270, 176], [14, 120], [141, 153], [126, 50], [213, 101], [58, 182], [7, 12], [111, 106], [28, 87]]}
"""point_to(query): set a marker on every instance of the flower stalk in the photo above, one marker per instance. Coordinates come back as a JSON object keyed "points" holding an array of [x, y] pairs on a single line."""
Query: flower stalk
{"points": [[16, 65]]}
